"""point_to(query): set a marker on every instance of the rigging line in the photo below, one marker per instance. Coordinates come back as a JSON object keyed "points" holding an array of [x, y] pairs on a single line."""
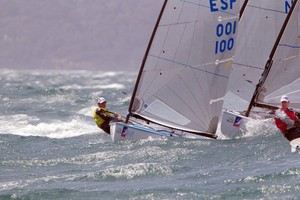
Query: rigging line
{"points": [[270, 60], [188, 66]]}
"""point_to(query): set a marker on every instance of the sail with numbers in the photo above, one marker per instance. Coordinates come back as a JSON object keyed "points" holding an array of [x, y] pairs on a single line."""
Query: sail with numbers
{"points": [[183, 78]]}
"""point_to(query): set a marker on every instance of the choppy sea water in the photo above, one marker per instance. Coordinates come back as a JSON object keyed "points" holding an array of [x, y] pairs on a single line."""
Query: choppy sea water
{"points": [[51, 148]]}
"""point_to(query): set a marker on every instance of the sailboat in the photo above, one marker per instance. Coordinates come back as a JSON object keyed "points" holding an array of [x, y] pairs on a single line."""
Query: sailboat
{"points": [[183, 78], [280, 76]]}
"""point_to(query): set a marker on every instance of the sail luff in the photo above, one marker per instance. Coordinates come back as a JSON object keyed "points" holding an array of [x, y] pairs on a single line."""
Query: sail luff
{"points": [[144, 60], [269, 63]]}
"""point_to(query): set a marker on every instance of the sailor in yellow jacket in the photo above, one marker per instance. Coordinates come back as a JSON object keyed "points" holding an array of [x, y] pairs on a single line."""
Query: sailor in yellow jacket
{"points": [[102, 116]]}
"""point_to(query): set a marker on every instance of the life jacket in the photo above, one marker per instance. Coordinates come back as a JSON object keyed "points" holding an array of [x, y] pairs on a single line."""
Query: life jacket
{"points": [[285, 119], [99, 121]]}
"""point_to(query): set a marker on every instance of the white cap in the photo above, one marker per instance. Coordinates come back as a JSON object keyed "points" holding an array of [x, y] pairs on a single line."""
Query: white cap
{"points": [[101, 100], [284, 98]]}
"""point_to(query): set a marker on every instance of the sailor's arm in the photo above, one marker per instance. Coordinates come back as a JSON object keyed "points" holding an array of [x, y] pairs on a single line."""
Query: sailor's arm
{"points": [[297, 119], [281, 125], [103, 115], [118, 116]]}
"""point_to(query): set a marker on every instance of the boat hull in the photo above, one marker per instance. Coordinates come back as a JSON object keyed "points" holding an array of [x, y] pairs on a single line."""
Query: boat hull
{"points": [[120, 131], [233, 124], [295, 145]]}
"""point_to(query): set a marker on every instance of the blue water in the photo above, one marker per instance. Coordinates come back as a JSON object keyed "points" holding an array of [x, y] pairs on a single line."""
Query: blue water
{"points": [[51, 148]]}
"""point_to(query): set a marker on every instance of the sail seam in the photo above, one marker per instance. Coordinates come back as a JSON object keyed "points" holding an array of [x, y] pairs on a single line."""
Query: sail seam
{"points": [[291, 46], [249, 66], [189, 66], [268, 9]]}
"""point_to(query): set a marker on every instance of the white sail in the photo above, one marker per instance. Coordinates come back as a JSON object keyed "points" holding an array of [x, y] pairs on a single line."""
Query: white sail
{"points": [[285, 69], [186, 72], [257, 32], [265, 62]]}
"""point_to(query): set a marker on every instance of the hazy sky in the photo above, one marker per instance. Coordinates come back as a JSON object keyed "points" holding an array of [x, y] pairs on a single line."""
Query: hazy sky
{"points": [[75, 34]]}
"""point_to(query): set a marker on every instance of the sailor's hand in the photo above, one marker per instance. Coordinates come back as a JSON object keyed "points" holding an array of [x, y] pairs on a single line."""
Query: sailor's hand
{"points": [[118, 116]]}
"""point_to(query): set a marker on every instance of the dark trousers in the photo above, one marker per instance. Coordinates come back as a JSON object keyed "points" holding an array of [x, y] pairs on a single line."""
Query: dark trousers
{"points": [[292, 134], [105, 127]]}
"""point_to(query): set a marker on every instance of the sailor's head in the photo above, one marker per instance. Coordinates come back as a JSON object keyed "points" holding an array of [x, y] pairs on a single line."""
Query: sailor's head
{"points": [[284, 98], [101, 101]]}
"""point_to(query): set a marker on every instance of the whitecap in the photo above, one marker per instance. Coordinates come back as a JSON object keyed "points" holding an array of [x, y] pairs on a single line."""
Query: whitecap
{"points": [[132, 171], [25, 125], [116, 86]]}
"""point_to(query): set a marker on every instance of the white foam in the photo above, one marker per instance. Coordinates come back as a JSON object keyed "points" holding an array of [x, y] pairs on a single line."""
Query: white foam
{"points": [[131, 171], [253, 128], [31, 126], [257, 127], [88, 111], [115, 86]]}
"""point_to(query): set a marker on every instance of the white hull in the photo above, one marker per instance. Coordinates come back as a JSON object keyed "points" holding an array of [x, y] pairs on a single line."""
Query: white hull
{"points": [[233, 124], [295, 145], [120, 131]]}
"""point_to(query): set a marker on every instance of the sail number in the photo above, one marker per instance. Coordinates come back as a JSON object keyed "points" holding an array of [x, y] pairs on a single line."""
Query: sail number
{"points": [[217, 5], [225, 44]]}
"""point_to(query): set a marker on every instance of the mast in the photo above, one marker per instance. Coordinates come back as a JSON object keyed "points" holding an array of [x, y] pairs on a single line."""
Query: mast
{"points": [[144, 60], [269, 64], [243, 8]]}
